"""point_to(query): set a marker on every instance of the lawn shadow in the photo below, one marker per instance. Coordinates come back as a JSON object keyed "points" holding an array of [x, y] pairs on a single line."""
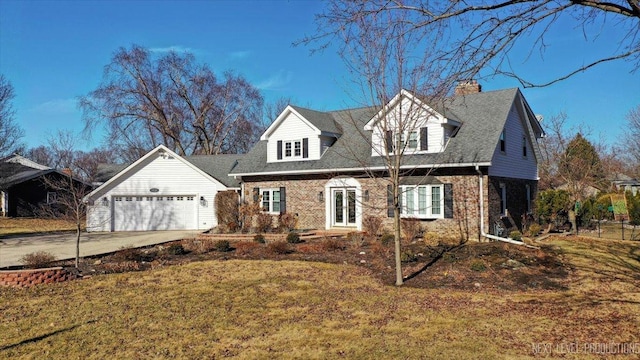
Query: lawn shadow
{"points": [[42, 337]]}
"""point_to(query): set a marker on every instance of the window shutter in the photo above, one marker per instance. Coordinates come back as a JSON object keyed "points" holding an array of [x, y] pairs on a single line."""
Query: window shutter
{"points": [[389, 141], [423, 139], [305, 148], [283, 200], [256, 194], [279, 149], [448, 201], [389, 201]]}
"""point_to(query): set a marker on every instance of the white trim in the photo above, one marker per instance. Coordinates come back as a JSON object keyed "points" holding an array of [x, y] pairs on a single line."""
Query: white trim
{"points": [[283, 115], [405, 189], [376, 168], [346, 183], [158, 149]]}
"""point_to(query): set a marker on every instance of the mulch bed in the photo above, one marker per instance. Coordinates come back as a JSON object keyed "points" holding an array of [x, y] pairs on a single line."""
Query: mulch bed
{"points": [[489, 265]]}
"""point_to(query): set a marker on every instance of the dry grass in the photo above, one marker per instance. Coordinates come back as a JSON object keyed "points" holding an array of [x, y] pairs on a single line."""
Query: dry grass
{"points": [[289, 309], [613, 231], [17, 226]]}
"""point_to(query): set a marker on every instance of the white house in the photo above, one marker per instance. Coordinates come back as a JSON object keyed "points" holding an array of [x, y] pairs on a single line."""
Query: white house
{"points": [[161, 191]]}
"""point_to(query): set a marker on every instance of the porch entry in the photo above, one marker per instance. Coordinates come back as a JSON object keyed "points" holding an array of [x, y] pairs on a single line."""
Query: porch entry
{"points": [[343, 207]]}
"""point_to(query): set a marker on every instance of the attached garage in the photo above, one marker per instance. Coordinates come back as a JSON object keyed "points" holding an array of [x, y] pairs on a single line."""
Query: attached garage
{"points": [[161, 191], [148, 213]]}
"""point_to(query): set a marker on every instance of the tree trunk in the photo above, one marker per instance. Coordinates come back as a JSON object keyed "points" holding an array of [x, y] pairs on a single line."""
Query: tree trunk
{"points": [[77, 245], [396, 227]]}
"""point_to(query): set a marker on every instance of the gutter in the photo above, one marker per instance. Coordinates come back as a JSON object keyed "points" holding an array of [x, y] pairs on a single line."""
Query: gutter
{"points": [[482, 233]]}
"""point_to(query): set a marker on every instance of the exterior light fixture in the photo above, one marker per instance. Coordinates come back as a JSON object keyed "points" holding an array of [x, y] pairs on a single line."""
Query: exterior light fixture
{"points": [[105, 201], [203, 202], [366, 195], [320, 196]]}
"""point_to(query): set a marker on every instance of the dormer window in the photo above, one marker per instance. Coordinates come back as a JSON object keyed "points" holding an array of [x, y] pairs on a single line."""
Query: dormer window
{"points": [[293, 149], [413, 140]]}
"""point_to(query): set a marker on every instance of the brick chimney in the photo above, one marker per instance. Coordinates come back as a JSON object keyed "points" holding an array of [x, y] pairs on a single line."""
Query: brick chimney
{"points": [[467, 87], [67, 171]]}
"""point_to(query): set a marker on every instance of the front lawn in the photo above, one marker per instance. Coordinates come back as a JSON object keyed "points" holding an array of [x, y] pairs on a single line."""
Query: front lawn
{"points": [[21, 226], [294, 309]]}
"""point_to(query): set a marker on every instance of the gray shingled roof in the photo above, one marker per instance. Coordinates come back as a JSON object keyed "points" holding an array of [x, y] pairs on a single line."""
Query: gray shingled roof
{"points": [[217, 166], [14, 173], [322, 120], [482, 115]]}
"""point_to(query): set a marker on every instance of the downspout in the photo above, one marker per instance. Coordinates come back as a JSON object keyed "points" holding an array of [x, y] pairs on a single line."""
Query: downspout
{"points": [[482, 233]]}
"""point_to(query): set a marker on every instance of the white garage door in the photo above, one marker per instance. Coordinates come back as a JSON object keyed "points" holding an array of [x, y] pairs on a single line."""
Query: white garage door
{"points": [[145, 213]]}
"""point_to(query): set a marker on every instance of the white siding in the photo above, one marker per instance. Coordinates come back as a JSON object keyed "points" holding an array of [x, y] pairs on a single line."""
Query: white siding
{"points": [[293, 128], [170, 176], [512, 163], [412, 118]]}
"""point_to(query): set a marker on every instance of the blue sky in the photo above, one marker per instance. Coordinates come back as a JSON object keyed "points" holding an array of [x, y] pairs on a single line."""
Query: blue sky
{"points": [[54, 51]]}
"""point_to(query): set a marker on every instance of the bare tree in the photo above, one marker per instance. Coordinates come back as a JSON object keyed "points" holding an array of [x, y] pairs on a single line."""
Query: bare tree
{"points": [[10, 132], [462, 38], [61, 153], [145, 100], [632, 140], [379, 51]]}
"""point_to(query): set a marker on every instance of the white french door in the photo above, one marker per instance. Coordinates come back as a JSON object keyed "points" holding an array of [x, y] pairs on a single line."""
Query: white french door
{"points": [[343, 204]]}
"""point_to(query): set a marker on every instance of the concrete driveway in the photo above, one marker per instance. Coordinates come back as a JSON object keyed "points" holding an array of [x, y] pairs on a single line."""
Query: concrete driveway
{"points": [[63, 246]]}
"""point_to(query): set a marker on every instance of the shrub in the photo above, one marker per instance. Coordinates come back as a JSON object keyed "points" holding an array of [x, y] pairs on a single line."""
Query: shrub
{"points": [[356, 239], [245, 247], [279, 247], [264, 222], [478, 265], [287, 222], [259, 238], [227, 210], [330, 244], [120, 267], [222, 245], [387, 239], [534, 229], [293, 238], [176, 249], [516, 235], [408, 256], [37, 259], [233, 226], [310, 248], [449, 257], [247, 212], [411, 228], [372, 225], [129, 253], [197, 246]]}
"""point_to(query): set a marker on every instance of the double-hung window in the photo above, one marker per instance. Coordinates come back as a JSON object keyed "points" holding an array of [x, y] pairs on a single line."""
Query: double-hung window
{"points": [[409, 140], [271, 200], [293, 149], [422, 201]]}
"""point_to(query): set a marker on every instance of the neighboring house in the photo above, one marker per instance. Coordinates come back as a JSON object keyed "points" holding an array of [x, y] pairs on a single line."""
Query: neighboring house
{"points": [[23, 189], [615, 181], [326, 168], [160, 191], [622, 182]]}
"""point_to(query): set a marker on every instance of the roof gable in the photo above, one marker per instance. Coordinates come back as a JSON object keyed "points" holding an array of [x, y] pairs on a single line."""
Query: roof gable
{"points": [[320, 122], [160, 150]]}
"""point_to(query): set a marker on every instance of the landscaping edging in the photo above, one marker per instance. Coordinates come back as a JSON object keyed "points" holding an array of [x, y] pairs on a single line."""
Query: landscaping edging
{"points": [[31, 277]]}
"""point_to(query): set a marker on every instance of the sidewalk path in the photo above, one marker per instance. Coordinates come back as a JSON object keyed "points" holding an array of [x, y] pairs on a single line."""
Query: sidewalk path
{"points": [[63, 246]]}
